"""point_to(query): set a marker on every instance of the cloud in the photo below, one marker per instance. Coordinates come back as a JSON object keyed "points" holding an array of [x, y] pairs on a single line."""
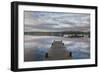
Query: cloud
{"points": [[39, 20]]}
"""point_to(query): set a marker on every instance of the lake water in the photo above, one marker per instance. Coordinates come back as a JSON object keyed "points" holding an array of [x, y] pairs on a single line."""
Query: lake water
{"points": [[35, 47]]}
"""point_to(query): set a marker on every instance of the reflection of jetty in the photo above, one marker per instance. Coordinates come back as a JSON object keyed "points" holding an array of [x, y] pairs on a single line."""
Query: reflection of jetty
{"points": [[57, 51]]}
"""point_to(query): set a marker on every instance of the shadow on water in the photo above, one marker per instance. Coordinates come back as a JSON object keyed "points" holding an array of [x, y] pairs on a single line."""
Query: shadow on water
{"points": [[40, 54]]}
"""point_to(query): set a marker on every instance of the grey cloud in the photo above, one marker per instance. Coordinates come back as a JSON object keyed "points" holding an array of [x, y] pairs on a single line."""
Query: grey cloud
{"points": [[48, 20]]}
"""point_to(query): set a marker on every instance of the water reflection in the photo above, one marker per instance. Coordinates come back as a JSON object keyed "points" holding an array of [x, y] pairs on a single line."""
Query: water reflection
{"points": [[37, 46]]}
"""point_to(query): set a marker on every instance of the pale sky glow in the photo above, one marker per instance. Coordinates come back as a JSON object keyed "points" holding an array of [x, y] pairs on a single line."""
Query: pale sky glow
{"points": [[56, 21]]}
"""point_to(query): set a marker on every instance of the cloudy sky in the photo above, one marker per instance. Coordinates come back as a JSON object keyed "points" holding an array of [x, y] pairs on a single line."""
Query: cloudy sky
{"points": [[56, 21]]}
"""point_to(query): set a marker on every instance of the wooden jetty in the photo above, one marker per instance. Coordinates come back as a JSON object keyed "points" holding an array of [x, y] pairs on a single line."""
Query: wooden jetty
{"points": [[58, 51]]}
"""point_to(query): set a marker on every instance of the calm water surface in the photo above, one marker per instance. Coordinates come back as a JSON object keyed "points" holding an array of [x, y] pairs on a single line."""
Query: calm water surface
{"points": [[37, 46]]}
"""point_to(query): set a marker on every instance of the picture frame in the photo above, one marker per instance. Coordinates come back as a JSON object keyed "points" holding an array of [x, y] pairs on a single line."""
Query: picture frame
{"points": [[41, 25]]}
